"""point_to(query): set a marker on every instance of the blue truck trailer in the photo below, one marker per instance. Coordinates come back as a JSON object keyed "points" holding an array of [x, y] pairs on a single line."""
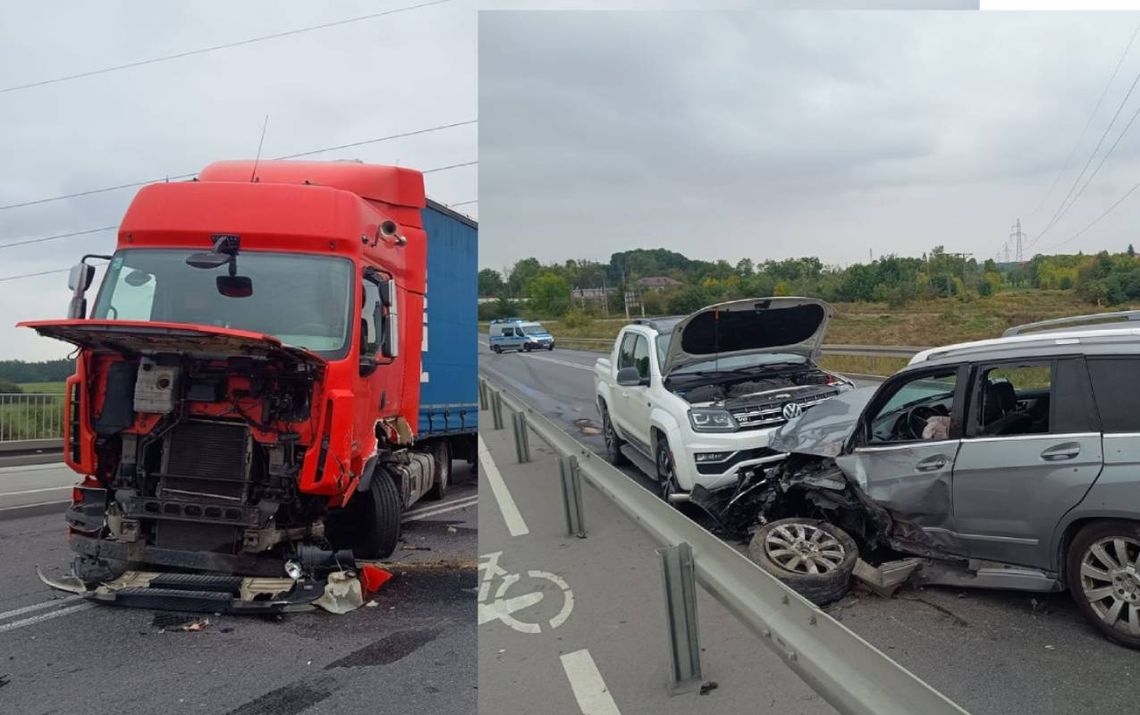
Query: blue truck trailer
{"points": [[449, 404]]}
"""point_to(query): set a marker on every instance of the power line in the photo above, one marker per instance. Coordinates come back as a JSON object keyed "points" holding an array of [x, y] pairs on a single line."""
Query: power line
{"points": [[290, 156], [226, 46], [30, 275], [42, 239], [1097, 220], [1062, 208], [465, 203], [1092, 115]]}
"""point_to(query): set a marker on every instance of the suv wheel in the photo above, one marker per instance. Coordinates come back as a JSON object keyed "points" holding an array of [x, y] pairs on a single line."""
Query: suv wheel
{"points": [[666, 475], [1104, 578], [613, 443], [812, 557]]}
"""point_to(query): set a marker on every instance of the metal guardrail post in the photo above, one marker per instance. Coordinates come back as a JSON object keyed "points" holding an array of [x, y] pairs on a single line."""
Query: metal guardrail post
{"points": [[679, 575], [497, 409], [572, 496], [482, 394], [522, 440]]}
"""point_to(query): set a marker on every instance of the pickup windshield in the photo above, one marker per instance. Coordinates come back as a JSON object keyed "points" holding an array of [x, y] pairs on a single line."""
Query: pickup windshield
{"points": [[304, 301]]}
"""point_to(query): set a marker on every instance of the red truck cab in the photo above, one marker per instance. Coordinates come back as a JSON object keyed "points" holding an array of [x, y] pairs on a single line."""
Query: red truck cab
{"points": [[247, 384]]}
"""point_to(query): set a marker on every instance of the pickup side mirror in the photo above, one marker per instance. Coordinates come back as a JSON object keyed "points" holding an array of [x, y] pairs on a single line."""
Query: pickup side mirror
{"points": [[630, 377]]}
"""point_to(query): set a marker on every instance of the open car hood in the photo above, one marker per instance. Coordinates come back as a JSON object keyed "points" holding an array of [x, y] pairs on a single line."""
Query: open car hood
{"points": [[129, 337], [747, 327]]}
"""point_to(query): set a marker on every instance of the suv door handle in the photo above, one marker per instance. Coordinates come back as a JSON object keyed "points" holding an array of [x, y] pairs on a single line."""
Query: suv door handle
{"points": [[931, 464], [1067, 450]]}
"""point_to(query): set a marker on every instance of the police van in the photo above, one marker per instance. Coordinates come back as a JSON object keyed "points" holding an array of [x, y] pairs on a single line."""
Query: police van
{"points": [[519, 334]]}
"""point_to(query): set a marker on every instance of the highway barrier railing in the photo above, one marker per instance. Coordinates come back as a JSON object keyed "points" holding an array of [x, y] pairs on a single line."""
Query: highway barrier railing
{"points": [[849, 673], [25, 416]]}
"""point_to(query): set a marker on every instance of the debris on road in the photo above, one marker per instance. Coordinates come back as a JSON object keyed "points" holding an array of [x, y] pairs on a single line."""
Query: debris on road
{"points": [[4, 680], [708, 687], [886, 578], [373, 577], [343, 593]]}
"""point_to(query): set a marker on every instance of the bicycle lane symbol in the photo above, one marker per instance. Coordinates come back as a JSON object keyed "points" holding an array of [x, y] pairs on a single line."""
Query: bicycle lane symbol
{"points": [[498, 607]]}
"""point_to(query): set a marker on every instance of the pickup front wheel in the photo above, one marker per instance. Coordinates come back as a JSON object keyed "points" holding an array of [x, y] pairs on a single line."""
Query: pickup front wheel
{"points": [[666, 475], [613, 442]]}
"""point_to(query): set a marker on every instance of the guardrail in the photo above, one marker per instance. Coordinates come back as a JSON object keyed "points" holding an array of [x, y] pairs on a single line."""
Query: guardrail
{"points": [[848, 672], [25, 416]]}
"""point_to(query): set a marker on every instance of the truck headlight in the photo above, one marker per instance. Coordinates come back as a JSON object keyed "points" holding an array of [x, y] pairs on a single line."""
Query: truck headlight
{"points": [[712, 419]]}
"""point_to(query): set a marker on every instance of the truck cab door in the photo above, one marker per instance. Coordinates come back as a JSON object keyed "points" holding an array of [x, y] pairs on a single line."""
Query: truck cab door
{"points": [[1031, 451], [899, 468]]}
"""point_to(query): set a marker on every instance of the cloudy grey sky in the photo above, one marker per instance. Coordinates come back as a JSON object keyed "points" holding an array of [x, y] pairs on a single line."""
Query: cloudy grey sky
{"points": [[334, 86], [773, 135]]}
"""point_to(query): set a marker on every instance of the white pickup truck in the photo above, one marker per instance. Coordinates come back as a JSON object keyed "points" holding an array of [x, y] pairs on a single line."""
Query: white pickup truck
{"points": [[694, 400]]}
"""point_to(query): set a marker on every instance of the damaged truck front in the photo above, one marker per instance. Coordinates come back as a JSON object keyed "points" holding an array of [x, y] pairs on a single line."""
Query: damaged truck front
{"points": [[247, 386]]}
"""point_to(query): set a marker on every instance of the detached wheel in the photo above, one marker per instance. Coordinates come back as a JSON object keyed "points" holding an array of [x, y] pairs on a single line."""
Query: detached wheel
{"points": [[441, 477], [380, 510], [666, 474], [613, 443], [1102, 573], [813, 557]]}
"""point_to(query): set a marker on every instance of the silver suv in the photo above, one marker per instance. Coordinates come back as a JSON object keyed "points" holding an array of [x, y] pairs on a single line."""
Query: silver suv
{"points": [[1008, 463]]}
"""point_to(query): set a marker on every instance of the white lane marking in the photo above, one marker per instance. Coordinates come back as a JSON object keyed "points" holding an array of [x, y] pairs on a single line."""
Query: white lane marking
{"points": [[515, 523], [45, 617], [586, 681], [442, 510], [34, 491], [556, 361], [438, 505], [37, 468], [501, 608], [39, 503], [36, 607]]}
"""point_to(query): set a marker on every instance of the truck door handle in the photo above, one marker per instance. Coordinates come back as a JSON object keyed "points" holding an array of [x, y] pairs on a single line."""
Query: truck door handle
{"points": [[1061, 451], [931, 464]]}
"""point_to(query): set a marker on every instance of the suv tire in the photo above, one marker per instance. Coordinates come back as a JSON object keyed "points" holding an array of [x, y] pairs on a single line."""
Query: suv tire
{"points": [[790, 549], [1094, 566], [613, 443]]}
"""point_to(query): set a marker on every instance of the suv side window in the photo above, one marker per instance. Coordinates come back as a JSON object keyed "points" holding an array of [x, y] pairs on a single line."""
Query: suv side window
{"points": [[917, 409], [625, 356], [641, 356], [1013, 398], [1116, 387]]}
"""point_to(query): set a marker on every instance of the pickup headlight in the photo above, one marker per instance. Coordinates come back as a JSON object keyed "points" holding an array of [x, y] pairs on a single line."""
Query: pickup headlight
{"points": [[712, 419]]}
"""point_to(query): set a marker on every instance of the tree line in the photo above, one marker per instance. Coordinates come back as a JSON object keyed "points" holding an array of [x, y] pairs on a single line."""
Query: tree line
{"points": [[16, 371], [1101, 279]]}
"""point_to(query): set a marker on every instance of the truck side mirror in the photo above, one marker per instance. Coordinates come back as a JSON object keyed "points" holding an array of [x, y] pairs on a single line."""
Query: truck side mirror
{"points": [[78, 281], [630, 377], [390, 342]]}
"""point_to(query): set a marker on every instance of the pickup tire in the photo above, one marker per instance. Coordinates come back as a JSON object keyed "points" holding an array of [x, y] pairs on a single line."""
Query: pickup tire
{"points": [[666, 476], [791, 549], [380, 510], [441, 477], [1100, 569], [613, 443]]}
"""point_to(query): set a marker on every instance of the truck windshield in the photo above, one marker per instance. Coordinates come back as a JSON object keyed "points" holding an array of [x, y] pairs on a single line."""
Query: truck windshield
{"points": [[304, 301]]}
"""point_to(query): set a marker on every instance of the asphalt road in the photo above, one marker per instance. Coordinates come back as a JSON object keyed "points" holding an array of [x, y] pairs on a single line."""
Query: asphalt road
{"points": [[413, 652], [989, 651]]}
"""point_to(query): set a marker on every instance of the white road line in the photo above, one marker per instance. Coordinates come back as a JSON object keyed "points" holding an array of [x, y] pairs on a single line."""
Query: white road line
{"points": [[440, 505], [510, 511], [36, 607], [556, 361], [39, 503], [36, 491], [45, 617], [442, 510], [35, 468], [589, 689]]}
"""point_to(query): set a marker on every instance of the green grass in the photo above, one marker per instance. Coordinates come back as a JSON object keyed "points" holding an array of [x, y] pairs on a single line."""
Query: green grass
{"points": [[42, 388]]}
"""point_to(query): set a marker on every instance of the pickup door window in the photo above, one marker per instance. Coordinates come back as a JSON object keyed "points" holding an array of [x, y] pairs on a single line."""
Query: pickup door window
{"points": [[632, 408]]}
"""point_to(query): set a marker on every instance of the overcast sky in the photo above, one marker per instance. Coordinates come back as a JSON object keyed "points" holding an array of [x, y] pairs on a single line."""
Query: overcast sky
{"points": [[338, 85], [773, 135]]}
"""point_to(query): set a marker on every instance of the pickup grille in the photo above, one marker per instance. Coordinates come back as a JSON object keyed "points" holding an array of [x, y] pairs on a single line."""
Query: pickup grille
{"points": [[771, 414]]}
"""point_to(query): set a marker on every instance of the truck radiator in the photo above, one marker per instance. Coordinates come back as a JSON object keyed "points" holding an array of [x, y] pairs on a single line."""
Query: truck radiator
{"points": [[204, 459]]}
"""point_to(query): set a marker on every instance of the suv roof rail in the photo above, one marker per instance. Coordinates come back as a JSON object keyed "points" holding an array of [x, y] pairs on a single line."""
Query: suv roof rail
{"points": [[1120, 315]]}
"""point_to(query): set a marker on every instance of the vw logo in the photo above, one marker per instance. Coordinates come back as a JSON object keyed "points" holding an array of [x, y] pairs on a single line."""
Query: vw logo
{"points": [[792, 410]]}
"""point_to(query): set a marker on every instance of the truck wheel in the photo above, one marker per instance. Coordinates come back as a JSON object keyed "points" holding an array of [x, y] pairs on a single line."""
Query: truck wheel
{"points": [[666, 475], [441, 475], [613, 442], [813, 557], [380, 528], [1104, 580]]}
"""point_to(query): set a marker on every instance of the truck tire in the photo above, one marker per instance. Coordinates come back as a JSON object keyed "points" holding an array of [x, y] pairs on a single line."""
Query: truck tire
{"points": [[613, 443], [441, 476], [791, 549], [1095, 566], [380, 527]]}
